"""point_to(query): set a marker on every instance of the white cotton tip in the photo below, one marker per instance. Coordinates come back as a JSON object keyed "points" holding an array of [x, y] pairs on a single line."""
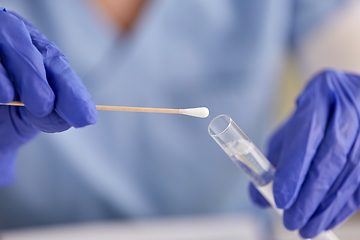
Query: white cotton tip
{"points": [[201, 112]]}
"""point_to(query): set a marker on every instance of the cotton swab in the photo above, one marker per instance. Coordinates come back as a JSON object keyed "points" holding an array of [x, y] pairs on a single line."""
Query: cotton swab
{"points": [[201, 112]]}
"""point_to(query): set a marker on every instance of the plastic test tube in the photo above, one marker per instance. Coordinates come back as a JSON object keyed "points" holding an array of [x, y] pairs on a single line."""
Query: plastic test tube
{"points": [[249, 159]]}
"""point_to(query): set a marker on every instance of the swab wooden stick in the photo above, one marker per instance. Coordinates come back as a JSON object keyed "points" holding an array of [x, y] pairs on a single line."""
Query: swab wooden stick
{"points": [[201, 112]]}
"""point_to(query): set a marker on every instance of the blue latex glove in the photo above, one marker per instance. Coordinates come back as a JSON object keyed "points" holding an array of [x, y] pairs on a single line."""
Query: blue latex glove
{"points": [[317, 156], [33, 70]]}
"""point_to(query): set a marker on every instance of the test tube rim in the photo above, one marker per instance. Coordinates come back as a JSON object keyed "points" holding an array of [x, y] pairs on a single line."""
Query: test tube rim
{"points": [[225, 129]]}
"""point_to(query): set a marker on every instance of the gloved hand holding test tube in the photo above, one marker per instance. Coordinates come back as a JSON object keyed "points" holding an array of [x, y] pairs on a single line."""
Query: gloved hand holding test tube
{"points": [[249, 159]]}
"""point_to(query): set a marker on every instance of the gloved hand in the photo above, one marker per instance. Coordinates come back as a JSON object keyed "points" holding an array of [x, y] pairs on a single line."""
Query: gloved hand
{"points": [[33, 70], [317, 156]]}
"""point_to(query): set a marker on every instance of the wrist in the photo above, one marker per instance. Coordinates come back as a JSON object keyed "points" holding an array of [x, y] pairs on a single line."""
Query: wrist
{"points": [[7, 167]]}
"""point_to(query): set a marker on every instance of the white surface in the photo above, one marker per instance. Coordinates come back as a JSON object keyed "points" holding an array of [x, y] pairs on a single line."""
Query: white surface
{"points": [[348, 231], [213, 228], [205, 228]]}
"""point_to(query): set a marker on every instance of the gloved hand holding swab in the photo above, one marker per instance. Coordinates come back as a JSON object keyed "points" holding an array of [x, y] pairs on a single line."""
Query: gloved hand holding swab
{"points": [[250, 160], [201, 112]]}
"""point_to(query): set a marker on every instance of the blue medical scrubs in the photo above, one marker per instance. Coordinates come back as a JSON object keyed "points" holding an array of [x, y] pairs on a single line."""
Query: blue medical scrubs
{"points": [[222, 54]]}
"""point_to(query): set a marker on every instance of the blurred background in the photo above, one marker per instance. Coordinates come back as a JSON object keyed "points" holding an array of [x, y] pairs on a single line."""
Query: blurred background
{"points": [[162, 177]]}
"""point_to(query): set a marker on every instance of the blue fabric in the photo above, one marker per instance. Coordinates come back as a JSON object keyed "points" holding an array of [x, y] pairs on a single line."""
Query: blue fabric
{"points": [[316, 154], [224, 55], [308, 12]]}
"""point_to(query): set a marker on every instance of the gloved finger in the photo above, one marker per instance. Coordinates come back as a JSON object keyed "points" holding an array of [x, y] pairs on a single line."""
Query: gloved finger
{"points": [[7, 91], [352, 205], [339, 194], [25, 66], [303, 134], [51, 123], [327, 212], [257, 198], [349, 209], [329, 160], [73, 102]]}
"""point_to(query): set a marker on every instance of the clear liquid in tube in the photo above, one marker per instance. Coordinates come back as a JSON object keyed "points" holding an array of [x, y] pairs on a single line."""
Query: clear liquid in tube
{"points": [[248, 158]]}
